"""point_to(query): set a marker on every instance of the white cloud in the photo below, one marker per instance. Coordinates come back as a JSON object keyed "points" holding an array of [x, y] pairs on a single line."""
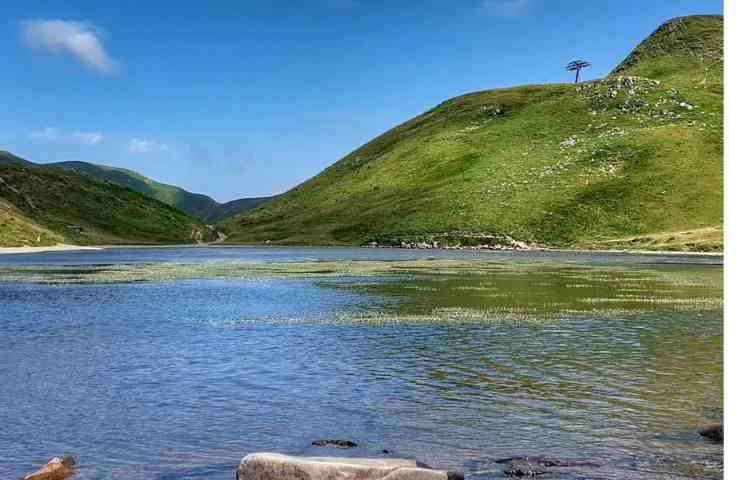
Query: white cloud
{"points": [[79, 39], [507, 8], [138, 145], [48, 133], [53, 134], [89, 138]]}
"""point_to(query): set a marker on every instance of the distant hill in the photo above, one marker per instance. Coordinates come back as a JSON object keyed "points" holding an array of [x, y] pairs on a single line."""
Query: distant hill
{"points": [[197, 205], [225, 210], [7, 158], [633, 160], [43, 206]]}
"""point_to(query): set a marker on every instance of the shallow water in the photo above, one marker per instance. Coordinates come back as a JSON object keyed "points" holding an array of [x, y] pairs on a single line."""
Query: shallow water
{"points": [[610, 359]]}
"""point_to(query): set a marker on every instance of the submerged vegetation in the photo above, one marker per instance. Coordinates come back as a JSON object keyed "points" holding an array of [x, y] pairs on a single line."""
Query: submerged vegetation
{"points": [[438, 291]]}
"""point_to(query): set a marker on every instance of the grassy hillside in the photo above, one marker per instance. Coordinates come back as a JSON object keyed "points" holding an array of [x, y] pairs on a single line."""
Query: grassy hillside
{"points": [[634, 159], [18, 230], [234, 207], [191, 203], [42, 206], [197, 205]]}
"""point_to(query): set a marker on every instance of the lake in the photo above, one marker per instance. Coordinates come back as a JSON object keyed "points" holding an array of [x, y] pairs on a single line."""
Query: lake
{"points": [[173, 363]]}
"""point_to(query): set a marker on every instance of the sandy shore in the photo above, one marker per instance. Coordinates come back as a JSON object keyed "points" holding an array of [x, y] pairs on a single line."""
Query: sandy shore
{"points": [[60, 247]]}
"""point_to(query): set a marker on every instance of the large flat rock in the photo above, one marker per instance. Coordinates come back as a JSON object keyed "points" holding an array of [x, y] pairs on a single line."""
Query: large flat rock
{"points": [[275, 466]]}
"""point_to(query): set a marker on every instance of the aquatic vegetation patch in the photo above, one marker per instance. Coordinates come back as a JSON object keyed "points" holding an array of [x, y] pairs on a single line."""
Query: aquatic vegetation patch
{"points": [[684, 304], [437, 290], [164, 271], [437, 316], [494, 316]]}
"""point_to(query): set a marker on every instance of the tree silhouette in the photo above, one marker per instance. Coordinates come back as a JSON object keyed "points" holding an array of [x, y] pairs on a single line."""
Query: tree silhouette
{"points": [[577, 65]]}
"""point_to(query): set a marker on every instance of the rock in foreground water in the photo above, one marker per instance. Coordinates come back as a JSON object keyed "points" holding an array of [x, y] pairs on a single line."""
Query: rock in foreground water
{"points": [[713, 432], [274, 466], [534, 466], [334, 443], [55, 469]]}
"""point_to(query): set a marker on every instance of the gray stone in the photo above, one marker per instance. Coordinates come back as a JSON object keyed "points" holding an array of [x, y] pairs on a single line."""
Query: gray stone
{"points": [[535, 466], [333, 443], [524, 466], [275, 466]]}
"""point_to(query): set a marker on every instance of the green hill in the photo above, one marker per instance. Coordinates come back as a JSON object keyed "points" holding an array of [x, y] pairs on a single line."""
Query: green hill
{"points": [[197, 205], [18, 230], [7, 158], [234, 207], [633, 160], [43, 206]]}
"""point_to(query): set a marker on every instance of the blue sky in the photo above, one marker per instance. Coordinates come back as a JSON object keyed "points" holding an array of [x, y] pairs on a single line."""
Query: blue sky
{"points": [[249, 98]]}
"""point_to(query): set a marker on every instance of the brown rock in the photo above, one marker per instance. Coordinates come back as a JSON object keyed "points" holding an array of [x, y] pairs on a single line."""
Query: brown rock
{"points": [[55, 469]]}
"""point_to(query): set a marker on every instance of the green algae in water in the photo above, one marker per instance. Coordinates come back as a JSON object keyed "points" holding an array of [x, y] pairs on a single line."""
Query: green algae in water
{"points": [[440, 291]]}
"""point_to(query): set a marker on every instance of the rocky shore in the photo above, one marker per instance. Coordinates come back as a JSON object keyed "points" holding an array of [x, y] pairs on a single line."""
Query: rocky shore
{"points": [[278, 466], [438, 246], [453, 241], [275, 466]]}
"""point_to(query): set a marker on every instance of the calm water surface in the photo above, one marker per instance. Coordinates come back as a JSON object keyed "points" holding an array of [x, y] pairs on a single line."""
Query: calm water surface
{"points": [[611, 359]]}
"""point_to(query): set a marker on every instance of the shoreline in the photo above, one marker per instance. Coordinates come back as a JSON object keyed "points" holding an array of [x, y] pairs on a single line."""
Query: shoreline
{"points": [[557, 250], [642, 252], [60, 247], [71, 248]]}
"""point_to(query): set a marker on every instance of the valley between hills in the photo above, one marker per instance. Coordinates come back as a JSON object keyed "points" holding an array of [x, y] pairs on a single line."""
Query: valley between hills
{"points": [[633, 161]]}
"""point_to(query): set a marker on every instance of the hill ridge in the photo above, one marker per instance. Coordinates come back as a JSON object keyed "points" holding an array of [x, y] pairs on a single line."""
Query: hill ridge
{"points": [[196, 204], [45, 206], [689, 35], [631, 155]]}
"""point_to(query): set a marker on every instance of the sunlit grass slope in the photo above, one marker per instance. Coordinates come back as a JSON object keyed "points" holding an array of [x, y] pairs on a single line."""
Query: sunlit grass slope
{"points": [[634, 156], [42, 206], [18, 230]]}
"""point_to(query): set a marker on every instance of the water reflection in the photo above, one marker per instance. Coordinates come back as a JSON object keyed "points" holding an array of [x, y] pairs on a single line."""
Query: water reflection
{"points": [[179, 379]]}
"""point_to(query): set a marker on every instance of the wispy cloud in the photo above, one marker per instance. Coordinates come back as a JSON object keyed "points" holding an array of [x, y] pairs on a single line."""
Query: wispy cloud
{"points": [[139, 145], [90, 138], [79, 39], [48, 133], [507, 8], [53, 134]]}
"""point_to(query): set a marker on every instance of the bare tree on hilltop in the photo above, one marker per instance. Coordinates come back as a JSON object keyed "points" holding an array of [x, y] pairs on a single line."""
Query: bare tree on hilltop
{"points": [[577, 65]]}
